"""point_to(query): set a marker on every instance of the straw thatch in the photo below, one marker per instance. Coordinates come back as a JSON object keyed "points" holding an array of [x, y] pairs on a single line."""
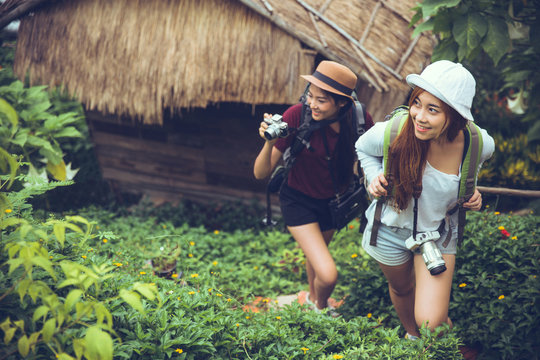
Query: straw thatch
{"points": [[136, 57]]}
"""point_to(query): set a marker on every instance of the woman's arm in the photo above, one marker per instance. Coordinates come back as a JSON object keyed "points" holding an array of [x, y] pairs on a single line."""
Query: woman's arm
{"points": [[369, 149], [268, 157]]}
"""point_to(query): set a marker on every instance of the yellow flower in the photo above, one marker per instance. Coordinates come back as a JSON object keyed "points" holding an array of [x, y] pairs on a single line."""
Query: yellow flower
{"points": [[194, 275], [497, 213], [304, 349], [191, 292], [501, 297], [174, 276], [210, 290], [247, 317], [88, 249], [84, 256], [369, 315], [237, 324], [354, 255], [278, 317], [219, 295], [462, 285], [487, 206], [191, 243], [214, 263], [190, 255], [142, 272], [266, 300], [179, 351], [514, 237], [105, 240], [7, 211], [229, 299], [164, 226], [255, 268], [216, 232], [117, 264], [338, 356], [501, 227]]}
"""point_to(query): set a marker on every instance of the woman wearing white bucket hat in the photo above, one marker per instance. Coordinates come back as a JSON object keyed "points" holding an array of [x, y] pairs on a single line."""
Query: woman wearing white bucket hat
{"points": [[426, 158], [305, 195]]}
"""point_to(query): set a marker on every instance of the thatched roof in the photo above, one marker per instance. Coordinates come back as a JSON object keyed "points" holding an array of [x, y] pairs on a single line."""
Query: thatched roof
{"points": [[136, 57]]}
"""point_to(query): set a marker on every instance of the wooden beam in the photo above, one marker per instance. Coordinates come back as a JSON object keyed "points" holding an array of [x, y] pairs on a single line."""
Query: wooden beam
{"points": [[510, 192], [20, 10], [350, 38]]}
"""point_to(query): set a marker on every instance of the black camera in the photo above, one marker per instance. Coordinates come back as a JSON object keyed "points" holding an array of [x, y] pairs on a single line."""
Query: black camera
{"points": [[276, 127]]}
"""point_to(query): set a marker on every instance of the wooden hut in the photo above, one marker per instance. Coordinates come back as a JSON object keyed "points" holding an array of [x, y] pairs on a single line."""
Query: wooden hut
{"points": [[174, 90]]}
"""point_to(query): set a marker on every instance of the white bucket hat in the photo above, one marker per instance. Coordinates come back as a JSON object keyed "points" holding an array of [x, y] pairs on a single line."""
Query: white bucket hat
{"points": [[450, 82]]}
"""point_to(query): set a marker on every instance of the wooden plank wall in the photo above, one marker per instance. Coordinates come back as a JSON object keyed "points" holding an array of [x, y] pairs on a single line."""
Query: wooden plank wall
{"points": [[205, 155]]}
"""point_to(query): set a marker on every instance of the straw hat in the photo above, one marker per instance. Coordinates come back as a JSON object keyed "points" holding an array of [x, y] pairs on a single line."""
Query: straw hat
{"points": [[450, 82], [333, 77]]}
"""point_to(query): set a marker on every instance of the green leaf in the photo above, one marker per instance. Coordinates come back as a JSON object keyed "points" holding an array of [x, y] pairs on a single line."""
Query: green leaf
{"points": [[425, 26], [132, 299], [40, 312], [78, 347], [149, 291], [23, 345], [72, 298], [48, 329], [60, 233], [468, 31], [10, 114], [99, 345], [45, 264], [430, 7], [8, 162], [497, 41], [8, 334], [69, 131]]}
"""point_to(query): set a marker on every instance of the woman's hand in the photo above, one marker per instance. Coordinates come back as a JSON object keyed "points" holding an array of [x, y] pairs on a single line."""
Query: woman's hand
{"points": [[262, 128], [377, 188], [475, 202]]}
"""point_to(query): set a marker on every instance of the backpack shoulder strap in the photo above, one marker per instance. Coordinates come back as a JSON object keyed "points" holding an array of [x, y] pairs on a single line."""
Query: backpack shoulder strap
{"points": [[395, 122], [467, 184], [470, 163]]}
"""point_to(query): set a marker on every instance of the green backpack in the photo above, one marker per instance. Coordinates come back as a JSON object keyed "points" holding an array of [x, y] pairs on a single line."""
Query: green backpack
{"points": [[467, 184]]}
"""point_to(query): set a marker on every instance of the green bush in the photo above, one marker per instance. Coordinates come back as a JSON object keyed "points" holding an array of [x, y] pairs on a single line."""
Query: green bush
{"points": [[496, 293]]}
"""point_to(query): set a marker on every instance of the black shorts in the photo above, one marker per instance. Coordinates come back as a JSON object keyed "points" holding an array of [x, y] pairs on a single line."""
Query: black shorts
{"points": [[299, 209]]}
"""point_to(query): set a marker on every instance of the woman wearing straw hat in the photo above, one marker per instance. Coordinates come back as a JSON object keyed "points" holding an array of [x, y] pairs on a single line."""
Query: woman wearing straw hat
{"points": [[426, 158], [305, 195]]}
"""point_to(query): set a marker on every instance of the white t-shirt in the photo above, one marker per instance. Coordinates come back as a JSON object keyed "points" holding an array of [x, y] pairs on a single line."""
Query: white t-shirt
{"points": [[439, 189]]}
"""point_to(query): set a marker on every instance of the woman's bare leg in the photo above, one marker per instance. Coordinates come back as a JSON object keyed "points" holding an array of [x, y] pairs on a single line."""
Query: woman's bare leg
{"points": [[401, 287], [320, 267]]}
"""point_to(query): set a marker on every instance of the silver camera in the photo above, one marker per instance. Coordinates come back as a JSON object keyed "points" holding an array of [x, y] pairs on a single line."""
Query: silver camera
{"points": [[430, 252], [276, 127]]}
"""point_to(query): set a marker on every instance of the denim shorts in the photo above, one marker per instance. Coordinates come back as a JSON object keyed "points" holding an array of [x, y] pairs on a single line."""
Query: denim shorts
{"points": [[391, 250], [298, 208]]}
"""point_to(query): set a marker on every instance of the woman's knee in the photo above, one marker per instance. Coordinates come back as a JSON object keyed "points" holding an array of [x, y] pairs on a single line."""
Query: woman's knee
{"points": [[327, 277], [401, 290]]}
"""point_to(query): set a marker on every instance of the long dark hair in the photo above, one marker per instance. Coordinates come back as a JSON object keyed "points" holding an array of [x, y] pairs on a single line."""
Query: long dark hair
{"points": [[345, 154], [408, 154]]}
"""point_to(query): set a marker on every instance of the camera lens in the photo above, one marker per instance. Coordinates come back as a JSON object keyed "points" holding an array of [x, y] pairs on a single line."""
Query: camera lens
{"points": [[270, 133], [433, 258], [437, 270]]}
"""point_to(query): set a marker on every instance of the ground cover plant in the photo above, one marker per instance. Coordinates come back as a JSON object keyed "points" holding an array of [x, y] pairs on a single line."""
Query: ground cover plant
{"points": [[200, 312]]}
